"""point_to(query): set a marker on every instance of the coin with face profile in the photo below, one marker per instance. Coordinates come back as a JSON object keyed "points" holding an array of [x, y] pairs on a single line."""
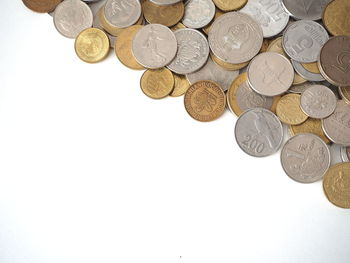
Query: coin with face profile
{"points": [[198, 13]]}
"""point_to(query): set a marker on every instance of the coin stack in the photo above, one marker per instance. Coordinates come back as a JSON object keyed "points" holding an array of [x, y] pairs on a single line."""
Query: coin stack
{"points": [[271, 62]]}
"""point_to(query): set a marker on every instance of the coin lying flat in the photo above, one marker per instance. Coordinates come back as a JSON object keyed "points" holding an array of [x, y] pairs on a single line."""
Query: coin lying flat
{"points": [[165, 2], [229, 5], [167, 15], [259, 132], [345, 154], [205, 101], [288, 110], [336, 17], [336, 185], [157, 84], [122, 13], [41, 6], [305, 9], [198, 13], [345, 94], [181, 85], [305, 158], [304, 73]]}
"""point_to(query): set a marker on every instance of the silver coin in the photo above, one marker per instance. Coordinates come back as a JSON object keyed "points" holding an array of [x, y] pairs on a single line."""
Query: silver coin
{"points": [[304, 73], [71, 17], [337, 126], [154, 46], [165, 2], [270, 74], [259, 132], [198, 13], [305, 158], [303, 40], [305, 9], [211, 71], [345, 153], [122, 13], [235, 37], [96, 6], [269, 14], [318, 102], [300, 88]]}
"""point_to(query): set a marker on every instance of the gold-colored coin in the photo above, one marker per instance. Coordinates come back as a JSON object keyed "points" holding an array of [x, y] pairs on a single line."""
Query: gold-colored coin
{"points": [[336, 185], [336, 17], [230, 5], [205, 101], [157, 83], [311, 67], [123, 47], [167, 15], [92, 45], [313, 126], [177, 27], [218, 13], [181, 85], [288, 110], [227, 66], [265, 45], [345, 94]]}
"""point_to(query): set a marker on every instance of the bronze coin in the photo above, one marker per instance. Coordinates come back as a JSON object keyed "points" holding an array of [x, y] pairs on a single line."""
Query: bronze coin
{"points": [[41, 6]]}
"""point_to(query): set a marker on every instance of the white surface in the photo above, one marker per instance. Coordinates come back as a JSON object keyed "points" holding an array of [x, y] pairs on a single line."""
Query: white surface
{"points": [[91, 170]]}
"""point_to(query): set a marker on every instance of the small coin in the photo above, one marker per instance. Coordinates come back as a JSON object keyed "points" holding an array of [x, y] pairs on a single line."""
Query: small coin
{"points": [[122, 13], [181, 85], [259, 132], [288, 110], [167, 15], [345, 154], [198, 13], [158, 83], [304, 73], [205, 101], [337, 125], [41, 6], [336, 185], [270, 74], [305, 9], [336, 17], [311, 67], [345, 94], [229, 5], [165, 2], [305, 158], [227, 66], [313, 126], [318, 102]]}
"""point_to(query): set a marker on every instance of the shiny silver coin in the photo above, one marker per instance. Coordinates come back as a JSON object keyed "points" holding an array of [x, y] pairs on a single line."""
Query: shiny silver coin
{"points": [[318, 102], [259, 132], [303, 40], [122, 13], [337, 126], [71, 17], [345, 153], [235, 37], [269, 14], [154, 46], [198, 13], [304, 73], [305, 9], [270, 74], [305, 158], [165, 2], [211, 71], [192, 51]]}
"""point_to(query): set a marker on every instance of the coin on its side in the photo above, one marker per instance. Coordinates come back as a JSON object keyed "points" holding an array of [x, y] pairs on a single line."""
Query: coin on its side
{"points": [[41, 6], [305, 158], [288, 110], [157, 84], [181, 85], [205, 101], [198, 13], [305, 9], [345, 154], [336, 17], [336, 185], [167, 15], [313, 126], [345, 94], [122, 13]]}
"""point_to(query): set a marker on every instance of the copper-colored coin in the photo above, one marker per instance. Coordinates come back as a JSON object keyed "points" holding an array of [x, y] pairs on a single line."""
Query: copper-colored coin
{"points": [[205, 101], [123, 47], [345, 94], [313, 126], [167, 15], [336, 17], [41, 6], [311, 67], [181, 85], [227, 66], [336, 185], [230, 5], [158, 83], [218, 13], [177, 27], [288, 110]]}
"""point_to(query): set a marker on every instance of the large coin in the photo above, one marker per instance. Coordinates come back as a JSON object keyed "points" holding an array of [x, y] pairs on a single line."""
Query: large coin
{"points": [[198, 13], [259, 132], [345, 154], [41, 6], [288, 110], [305, 158], [165, 2], [167, 15], [122, 13], [336, 17], [157, 84], [305, 9]]}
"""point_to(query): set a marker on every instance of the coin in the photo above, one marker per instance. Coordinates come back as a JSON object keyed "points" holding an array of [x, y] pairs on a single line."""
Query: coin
{"points": [[304, 73], [345, 154], [288, 110], [337, 125], [157, 83], [41, 6], [165, 2], [336, 17], [167, 15], [259, 132], [198, 13], [181, 85], [177, 27], [305, 9], [235, 38], [205, 101], [229, 5], [122, 13], [218, 13], [270, 74], [71, 17], [345, 94], [336, 185], [311, 67], [313, 126], [305, 158], [303, 40], [193, 51], [318, 102], [154, 46], [227, 66], [299, 89]]}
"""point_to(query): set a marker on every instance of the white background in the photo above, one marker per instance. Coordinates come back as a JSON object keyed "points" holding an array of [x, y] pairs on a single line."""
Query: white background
{"points": [[91, 170]]}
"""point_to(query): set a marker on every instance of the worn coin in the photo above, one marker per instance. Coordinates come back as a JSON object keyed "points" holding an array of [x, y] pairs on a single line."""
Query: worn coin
{"points": [[157, 84], [165, 2], [259, 132], [336, 17], [198, 13], [181, 85], [122, 13], [288, 110], [41, 6], [304, 73], [305, 9], [167, 15], [345, 154], [345, 94], [229, 5]]}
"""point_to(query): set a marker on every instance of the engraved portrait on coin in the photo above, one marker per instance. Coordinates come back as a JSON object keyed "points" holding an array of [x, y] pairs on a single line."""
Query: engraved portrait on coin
{"points": [[198, 13]]}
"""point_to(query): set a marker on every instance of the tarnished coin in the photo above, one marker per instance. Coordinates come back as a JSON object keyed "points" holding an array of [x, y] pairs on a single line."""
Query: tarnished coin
{"points": [[345, 94], [229, 5], [41, 6], [313, 126], [198, 13], [337, 126], [270, 15], [305, 9], [345, 154], [157, 84], [181, 85], [336, 185], [192, 51], [336, 17], [270, 74], [71, 17], [227, 66], [211, 71], [303, 40], [304, 73], [305, 158], [167, 15], [122, 13], [154, 46], [235, 38], [259, 132], [205, 101], [318, 102], [288, 110], [165, 2]]}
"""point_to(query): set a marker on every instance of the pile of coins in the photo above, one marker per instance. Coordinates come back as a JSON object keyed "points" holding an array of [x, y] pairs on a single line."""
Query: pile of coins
{"points": [[271, 62]]}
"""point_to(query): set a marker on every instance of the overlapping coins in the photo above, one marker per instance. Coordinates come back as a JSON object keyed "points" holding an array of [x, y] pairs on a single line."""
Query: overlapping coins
{"points": [[271, 62]]}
